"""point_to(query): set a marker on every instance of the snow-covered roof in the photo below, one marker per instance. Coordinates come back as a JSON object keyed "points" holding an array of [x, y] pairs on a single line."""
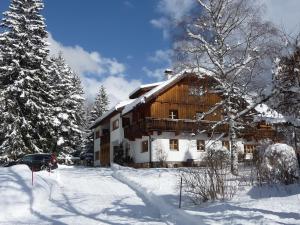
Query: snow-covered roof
{"points": [[157, 90], [113, 109], [145, 86], [269, 115]]}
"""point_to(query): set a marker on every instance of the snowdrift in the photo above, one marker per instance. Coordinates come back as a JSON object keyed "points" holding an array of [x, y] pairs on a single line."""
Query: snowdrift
{"points": [[19, 198]]}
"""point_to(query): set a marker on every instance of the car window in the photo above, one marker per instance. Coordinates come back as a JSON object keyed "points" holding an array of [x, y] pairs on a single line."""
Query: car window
{"points": [[41, 157], [27, 158]]}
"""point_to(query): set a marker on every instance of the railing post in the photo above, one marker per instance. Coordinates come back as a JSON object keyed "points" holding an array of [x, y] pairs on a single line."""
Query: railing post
{"points": [[180, 192]]}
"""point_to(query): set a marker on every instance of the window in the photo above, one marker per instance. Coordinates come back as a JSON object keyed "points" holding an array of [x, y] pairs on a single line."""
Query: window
{"points": [[173, 114], [249, 149], [200, 145], [144, 146], [97, 134], [97, 156], [225, 144], [115, 124], [174, 145]]}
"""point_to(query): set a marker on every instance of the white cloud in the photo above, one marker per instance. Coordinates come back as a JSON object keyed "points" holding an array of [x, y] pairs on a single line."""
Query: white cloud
{"points": [[157, 74], [117, 87], [162, 56], [285, 14], [84, 62], [105, 71], [173, 11]]}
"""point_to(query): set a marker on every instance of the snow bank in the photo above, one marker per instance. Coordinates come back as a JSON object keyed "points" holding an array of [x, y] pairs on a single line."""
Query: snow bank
{"points": [[19, 198], [278, 204], [170, 213]]}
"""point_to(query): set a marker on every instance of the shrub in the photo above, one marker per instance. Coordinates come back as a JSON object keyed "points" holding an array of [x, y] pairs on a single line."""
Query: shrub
{"points": [[212, 182], [278, 164]]}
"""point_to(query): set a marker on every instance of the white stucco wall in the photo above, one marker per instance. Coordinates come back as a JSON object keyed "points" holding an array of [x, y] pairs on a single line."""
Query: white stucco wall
{"points": [[160, 146], [117, 135]]}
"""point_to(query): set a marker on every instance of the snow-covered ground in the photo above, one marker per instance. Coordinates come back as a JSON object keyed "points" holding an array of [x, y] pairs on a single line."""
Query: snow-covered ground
{"points": [[251, 205], [70, 195], [77, 195]]}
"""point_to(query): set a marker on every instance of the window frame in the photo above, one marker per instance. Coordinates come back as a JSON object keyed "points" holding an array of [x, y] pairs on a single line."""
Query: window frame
{"points": [[174, 146], [226, 144], [198, 145], [171, 115], [97, 134], [143, 145], [253, 146], [115, 124]]}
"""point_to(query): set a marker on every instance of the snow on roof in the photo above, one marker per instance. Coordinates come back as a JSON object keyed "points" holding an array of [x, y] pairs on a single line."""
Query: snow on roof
{"points": [[113, 109], [269, 115], [145, 86], [161, 87]]}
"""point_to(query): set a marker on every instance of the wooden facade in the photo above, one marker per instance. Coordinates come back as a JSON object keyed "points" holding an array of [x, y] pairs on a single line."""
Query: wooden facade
{"points": [[187, 99]]}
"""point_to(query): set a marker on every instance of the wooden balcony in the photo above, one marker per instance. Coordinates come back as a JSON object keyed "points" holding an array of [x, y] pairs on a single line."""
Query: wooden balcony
{"points": [[145, 126]]}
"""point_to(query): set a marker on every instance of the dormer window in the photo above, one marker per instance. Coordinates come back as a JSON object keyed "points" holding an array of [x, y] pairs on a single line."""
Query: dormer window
{"points": [[173, 114]]}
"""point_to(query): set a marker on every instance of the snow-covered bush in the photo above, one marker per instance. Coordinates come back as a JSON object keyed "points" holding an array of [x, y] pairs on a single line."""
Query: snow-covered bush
{"points": [[279, 164], [212, 182]]}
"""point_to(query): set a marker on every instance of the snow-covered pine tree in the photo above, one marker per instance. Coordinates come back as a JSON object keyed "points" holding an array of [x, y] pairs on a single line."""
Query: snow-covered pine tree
{"points": [[68, 114], [100, 105], [24, 86], [228, 41]]}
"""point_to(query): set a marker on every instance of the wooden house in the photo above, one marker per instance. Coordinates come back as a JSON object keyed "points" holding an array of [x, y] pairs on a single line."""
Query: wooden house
{"points": [[160, 123]]}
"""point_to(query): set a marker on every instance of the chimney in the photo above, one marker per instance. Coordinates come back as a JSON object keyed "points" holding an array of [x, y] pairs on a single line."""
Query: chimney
{"points": [[169, 73]]}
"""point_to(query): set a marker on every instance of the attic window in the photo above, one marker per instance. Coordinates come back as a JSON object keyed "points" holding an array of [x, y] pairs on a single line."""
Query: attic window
{"points": [[173, 114]]}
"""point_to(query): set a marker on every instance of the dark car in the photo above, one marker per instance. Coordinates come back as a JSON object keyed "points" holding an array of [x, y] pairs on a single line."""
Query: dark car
{"points": [[37, 162]]}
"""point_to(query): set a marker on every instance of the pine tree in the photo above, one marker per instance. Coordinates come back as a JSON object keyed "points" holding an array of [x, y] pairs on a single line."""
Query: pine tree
{"points": [[24, 68], [69, 107], [100, 105]]}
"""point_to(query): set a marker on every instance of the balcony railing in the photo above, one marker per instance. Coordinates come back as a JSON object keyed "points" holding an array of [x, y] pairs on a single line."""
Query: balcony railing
{"points": [[144, 126]]}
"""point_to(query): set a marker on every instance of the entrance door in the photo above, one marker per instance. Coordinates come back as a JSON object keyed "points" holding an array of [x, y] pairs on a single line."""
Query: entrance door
{"points": [[105, 155]]}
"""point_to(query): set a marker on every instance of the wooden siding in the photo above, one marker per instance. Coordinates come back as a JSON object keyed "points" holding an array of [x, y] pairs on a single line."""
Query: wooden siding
{"points": [[178, 98]]}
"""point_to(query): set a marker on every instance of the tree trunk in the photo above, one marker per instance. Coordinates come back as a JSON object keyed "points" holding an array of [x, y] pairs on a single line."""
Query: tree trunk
{"points": [[233, 148]]}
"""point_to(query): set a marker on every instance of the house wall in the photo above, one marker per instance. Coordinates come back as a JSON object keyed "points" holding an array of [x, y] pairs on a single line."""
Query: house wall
{"points": [[117, 135], [179, 97], [161, 147], [96, 147]]}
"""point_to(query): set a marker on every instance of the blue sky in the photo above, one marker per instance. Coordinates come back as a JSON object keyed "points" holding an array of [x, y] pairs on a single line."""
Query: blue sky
{"points": [[124, 43]]}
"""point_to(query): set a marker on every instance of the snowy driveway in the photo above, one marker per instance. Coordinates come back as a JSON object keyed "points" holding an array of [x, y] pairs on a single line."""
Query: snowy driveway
{"points": [[72, 196]]}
